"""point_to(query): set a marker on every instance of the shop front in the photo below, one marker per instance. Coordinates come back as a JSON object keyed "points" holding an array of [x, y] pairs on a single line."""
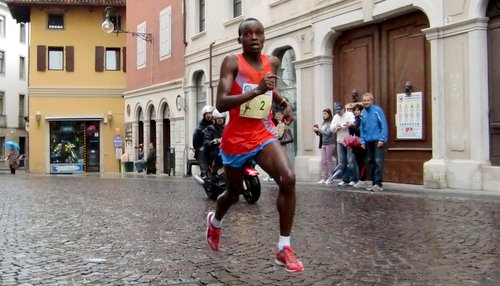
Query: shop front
{"points": [[74, 146]]}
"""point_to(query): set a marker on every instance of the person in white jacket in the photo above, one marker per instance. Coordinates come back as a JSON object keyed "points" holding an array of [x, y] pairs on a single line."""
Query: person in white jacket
{"points": [[340, 125]]}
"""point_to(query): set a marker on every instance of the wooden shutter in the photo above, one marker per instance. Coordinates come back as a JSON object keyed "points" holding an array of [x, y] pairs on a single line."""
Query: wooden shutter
{"points": [[118, 56], [99, 59], [124, 52], [41, 58], [70, 58]]}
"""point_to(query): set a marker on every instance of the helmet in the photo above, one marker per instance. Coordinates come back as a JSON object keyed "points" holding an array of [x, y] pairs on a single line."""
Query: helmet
{"points": [[216, 114], [207, 109]]}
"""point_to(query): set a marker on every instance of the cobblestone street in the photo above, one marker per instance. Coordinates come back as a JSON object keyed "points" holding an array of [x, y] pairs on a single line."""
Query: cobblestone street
{"points": [[137, 230]]}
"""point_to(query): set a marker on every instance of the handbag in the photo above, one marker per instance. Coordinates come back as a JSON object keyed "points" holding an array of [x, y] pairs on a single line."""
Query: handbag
{"points": [[287, 137]]}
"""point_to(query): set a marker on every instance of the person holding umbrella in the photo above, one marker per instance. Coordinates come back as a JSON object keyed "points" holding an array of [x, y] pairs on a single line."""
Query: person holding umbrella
{"points": [[13, 157]]}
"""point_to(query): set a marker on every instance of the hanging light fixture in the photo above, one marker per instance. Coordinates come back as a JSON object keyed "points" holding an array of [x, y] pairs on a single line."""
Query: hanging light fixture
{"points": [[108, 26]]}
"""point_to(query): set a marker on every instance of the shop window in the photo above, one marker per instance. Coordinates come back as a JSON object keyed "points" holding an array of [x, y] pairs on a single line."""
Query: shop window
{"points": [[74, 146]]}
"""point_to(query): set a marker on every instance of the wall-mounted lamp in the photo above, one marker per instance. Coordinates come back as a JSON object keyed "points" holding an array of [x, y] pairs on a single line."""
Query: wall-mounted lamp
{"points": [[108, 26], [109, 116], [408, 88], [38, 117], [180, 103]]}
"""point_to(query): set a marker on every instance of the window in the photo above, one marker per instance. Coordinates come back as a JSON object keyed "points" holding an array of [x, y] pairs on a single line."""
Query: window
{"points": [[22, 68], [112, 59], [236, 8], [22, 33], [141, 47], [201, 95], [2, 94], [2, 148], [165, 32], [117, 22], [202, 15], [22, 102], [56, 21], [2, 26], [22, 99], [56, 58], [2, 63]]}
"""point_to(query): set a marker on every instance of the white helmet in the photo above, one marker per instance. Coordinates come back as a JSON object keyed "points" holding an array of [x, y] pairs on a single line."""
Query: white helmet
{"points": [[207, 109], [216, 114]]}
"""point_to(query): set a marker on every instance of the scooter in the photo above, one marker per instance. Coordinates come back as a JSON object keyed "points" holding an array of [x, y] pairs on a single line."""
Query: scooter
{"points": [[216, 184]]}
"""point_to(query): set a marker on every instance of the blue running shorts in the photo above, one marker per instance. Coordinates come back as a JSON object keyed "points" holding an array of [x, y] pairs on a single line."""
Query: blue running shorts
{"points": [[238, 161]]}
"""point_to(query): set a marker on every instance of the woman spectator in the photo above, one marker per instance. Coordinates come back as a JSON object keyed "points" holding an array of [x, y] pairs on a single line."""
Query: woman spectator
{"points": [[327, 144], [359, 152]]}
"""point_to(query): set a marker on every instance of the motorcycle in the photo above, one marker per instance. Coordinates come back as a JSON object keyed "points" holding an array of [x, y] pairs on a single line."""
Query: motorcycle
{"points": [[216, 184]]}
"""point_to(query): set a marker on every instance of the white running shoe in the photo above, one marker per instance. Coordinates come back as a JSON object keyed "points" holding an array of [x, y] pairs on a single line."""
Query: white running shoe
{"points": [[322, 181]]}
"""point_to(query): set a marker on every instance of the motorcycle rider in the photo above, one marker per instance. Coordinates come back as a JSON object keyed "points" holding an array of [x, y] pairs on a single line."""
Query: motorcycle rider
{"points": [[198, 137], [212, 139]]}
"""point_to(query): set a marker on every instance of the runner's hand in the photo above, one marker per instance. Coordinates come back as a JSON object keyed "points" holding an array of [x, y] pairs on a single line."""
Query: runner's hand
{"points": [[268, 82]]}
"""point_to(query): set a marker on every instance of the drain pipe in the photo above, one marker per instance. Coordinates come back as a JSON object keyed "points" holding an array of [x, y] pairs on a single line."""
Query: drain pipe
{"points": [[210, 48]]}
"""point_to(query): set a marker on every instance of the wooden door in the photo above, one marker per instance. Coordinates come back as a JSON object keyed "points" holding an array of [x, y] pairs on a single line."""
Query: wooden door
{"points": [[380, 59], [494, 80]]}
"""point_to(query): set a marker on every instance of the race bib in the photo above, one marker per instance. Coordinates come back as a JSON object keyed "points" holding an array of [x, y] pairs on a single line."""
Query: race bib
{"points": [[259, 106]]}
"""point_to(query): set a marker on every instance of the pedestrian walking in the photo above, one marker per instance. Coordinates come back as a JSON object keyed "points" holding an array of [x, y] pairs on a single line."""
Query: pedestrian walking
{"points": [[374, 135], [247, 88], [13, 158]]}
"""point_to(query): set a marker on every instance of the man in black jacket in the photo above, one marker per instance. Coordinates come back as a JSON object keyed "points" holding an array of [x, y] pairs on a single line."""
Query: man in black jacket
{"points": [[198, 137]]}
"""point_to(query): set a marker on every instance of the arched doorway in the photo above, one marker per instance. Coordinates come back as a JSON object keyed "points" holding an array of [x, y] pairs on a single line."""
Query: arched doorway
{"points": [[493, 12], [287, 84], [167, 164], [140, 127], [381, 58], [152, 126]]}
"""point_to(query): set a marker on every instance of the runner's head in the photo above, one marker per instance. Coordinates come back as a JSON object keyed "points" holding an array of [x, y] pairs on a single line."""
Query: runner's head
{"points": [[251, 36]]}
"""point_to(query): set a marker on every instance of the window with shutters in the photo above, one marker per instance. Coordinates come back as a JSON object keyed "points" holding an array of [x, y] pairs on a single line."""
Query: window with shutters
{"points": [[22, 33], [2, 26], [56, 22], [165, 32], [236, 8], [2, 63], [2, 95], [22, 68], [141, 47], [201, 18], [112, 59], [56, 58]]}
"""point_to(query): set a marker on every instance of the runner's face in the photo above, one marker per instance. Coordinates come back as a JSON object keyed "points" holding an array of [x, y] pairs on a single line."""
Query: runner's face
{"points": [[252, 37]]}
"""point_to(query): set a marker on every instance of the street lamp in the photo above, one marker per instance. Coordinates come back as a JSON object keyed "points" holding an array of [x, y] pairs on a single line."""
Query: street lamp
{"points": [[108, 26]]}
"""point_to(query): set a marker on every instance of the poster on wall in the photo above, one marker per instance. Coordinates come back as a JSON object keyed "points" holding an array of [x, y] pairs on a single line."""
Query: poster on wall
{"points": [[409, 116]]}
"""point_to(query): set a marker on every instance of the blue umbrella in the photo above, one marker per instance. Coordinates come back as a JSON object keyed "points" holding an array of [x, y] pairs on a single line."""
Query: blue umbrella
{"points": [[8, 144]]}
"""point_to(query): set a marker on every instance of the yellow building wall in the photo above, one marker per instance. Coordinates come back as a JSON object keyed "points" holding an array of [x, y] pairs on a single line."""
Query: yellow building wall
{"points": [[77, 94], [82, 29]]}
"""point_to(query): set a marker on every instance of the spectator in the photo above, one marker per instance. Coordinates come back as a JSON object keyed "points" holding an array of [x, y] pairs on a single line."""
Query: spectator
{"points": [[340, 125], [374, 135], [327, 144]]}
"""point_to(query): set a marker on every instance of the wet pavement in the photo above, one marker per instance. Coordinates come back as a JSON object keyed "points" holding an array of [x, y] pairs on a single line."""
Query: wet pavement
{"points": [[138, 230]]}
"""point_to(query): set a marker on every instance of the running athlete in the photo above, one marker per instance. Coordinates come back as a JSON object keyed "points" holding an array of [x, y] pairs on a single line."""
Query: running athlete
{"points": [[247, 90]]}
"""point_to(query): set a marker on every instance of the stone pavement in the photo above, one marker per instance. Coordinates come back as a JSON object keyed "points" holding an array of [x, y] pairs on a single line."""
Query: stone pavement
{"points": [[133, 229]]}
